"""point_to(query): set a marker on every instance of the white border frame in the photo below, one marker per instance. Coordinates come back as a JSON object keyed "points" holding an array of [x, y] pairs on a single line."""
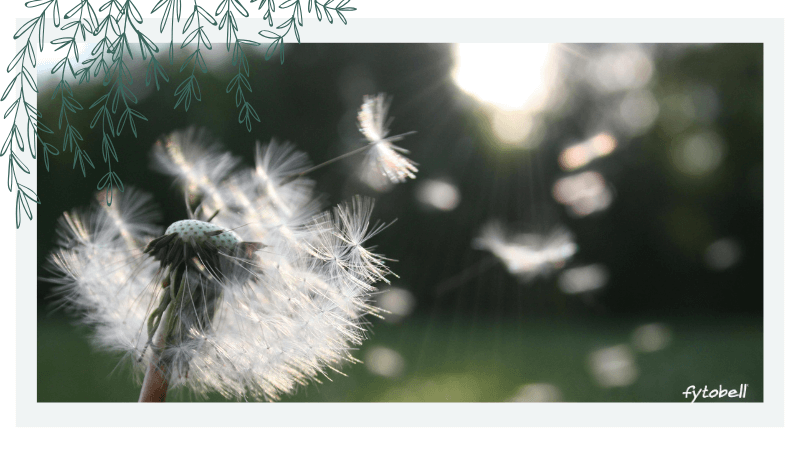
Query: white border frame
{"points": [[769, 413]]}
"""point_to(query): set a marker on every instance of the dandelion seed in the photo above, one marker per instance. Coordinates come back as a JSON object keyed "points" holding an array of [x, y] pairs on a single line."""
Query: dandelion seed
{"points": [[383, 154], [257, 301], [197, 162], [527, 256]]}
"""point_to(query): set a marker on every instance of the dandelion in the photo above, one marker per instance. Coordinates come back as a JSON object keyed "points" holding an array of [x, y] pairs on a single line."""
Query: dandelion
{"points": [[383, 154], [527, 256], [256, 293]]}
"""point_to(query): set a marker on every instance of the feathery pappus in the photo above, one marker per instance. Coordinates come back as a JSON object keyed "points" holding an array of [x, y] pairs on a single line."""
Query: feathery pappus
{"points": [[257, 292], [383, 155], [527, 256]]}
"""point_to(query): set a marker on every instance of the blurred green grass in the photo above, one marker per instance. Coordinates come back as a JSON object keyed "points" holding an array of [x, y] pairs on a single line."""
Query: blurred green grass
{"points": [[460, 359]]}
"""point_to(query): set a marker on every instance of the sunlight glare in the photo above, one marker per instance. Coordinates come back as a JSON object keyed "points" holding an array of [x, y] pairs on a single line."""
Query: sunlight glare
{"points": [[513, 77], [515, 80]]}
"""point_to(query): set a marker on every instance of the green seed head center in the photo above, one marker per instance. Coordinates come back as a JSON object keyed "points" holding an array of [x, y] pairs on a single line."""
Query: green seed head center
{"points": [[202, 232]]}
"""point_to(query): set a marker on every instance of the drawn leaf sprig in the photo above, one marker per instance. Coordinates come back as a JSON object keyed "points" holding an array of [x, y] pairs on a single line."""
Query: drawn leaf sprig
{"points": [[85, 21], [240, 81], [98, 60], [115, 109], [172, 12], [33, 125], [190, 87], [296, 21], [118, 77], [321, 8], [270, 9]]}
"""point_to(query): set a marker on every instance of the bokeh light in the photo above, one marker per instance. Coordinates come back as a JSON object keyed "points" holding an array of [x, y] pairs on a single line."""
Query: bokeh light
{"points": [[698, 154], [398, 302], [638, 111], [537, 392], [583, 279], [620, 69], [579, 155], [584, 193], [651, 337], [723, 254], [438, 194], [613, 366], [384, 361]]}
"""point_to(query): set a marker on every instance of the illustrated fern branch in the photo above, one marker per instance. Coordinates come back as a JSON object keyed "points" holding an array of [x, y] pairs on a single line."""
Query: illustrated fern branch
{"points": [[190, 87], [33, 125], [293, 23], [321, 8], [239, 81], [172, 11], [119, 96], [72, 137], [270, 9], [98, 62]]}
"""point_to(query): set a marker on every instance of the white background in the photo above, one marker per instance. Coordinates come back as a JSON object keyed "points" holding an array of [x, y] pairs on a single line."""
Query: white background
{"points": [[452, 437]]}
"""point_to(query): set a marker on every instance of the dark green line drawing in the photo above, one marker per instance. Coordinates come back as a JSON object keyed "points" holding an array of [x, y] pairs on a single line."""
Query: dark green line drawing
{"points": [[119, 16], [296, 21], [98, 62], [72, 137], [270, 9], [173, 13], [190, 87], [127, 15], [247, 113], [33, 125]]}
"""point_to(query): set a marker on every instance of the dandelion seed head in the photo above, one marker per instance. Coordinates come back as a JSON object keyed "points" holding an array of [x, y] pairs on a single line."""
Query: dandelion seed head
{"points": [[203, 232], [254, 312]]}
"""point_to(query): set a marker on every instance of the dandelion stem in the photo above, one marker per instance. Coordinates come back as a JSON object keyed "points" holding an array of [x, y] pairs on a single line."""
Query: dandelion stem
{"points": [[156, 382]]}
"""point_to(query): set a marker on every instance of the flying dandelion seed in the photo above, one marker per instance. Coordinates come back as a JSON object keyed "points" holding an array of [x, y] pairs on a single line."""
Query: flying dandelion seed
{"points": [[527, 256], [257, 293], [383, 154]]}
